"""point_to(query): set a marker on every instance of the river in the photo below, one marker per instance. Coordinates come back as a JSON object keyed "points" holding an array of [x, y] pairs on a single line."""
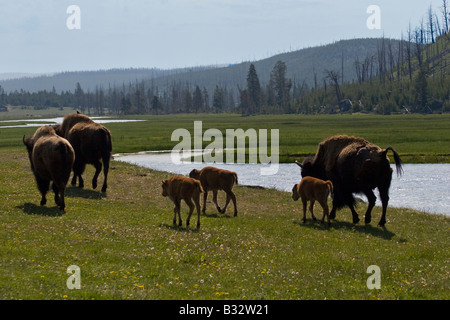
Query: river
{"points": [[423, 187]]}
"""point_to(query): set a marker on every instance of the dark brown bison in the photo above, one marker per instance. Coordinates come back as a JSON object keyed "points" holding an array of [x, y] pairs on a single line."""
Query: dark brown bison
{"points": [[179, 188], [51, 159], [214, 179], [91, 142], [354, 165]]}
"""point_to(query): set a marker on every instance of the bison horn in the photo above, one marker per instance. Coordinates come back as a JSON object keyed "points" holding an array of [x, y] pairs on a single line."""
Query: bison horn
{"points": [[299, 164]]}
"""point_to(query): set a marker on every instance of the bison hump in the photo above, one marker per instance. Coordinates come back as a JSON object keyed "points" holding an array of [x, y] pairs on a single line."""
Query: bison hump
{"points": [[331, 148]]}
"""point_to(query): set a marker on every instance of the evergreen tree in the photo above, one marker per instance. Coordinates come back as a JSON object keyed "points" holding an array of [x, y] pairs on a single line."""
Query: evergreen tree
{"points": [[187, 100], [197, 100], [421, 92], [253, 91], [280, 84], [218, 100]]}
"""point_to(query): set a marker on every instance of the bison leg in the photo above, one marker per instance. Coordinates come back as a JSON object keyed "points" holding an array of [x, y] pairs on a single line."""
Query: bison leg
{"points": [[324, 205], [197, 205], [191, 209], [311, 209], [43, 186], [78, 169], [59, 195], [105, 173], [384, 195], [349, 200], [176, 210], [215, 201], [230, 196], [98, 168], [205, 196], [372, 199], [305, 203]]}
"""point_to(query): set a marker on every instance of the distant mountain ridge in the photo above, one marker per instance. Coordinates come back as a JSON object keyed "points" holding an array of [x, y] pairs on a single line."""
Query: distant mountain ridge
{"points": [[304, 65]]}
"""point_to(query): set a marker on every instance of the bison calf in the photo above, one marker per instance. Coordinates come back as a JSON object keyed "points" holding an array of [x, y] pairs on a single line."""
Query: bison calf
{"points": [[313, 189], [179, 188], [214, 179], [51, 159]]}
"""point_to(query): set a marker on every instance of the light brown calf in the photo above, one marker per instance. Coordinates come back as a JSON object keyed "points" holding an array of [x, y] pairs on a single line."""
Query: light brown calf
{"points": [[179, 188], [214, 179], [313, 189]]}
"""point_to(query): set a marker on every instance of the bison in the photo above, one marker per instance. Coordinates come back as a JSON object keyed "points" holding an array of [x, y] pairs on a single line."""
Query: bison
{"points": [[214, 179], [313, 189], [51, 159], [354, 165], [179, 188], [91, 142]]}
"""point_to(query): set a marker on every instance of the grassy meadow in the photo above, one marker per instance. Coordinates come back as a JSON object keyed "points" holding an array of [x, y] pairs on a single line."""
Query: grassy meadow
{"points": [[127, 248]]}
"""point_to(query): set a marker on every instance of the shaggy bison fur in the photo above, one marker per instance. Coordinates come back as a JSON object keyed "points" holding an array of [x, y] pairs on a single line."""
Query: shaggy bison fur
{"points": [[354, 165], [51, 159], [92, 144]]}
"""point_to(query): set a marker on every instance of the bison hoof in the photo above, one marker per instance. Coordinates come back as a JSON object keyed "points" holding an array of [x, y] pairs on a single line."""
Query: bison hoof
{"points": [[304, 220], [235, 214], [104, 189], [94, 184], [355, 220], [314, 218], [381, 223]]}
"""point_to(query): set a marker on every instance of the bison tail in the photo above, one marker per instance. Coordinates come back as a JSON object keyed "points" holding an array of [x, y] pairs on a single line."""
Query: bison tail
{"points": [[236, 178], [398, 161], [330, 186]]}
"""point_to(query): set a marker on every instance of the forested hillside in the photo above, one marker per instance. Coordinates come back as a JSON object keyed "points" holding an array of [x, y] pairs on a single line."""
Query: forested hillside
{"points": [[360, 75]]}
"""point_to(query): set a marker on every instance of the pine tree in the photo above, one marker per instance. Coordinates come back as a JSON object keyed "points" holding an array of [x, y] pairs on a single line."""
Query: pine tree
{"points": [[197, 100], [253, 91], [280, 84]]}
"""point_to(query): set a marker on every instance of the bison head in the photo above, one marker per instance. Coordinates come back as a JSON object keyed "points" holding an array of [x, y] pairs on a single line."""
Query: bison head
{"points": [[164, 188], [28, 142], [307, 167], [295, 194], [194, 174]]}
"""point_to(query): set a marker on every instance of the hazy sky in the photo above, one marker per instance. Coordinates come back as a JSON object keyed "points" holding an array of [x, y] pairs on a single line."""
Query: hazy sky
{"points": [[179, 33]]}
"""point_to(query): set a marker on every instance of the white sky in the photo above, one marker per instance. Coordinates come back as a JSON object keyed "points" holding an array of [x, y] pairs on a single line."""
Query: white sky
{"points": [[181, 33]]}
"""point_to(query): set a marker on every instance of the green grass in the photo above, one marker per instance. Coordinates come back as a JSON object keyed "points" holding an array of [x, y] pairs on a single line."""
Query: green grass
{"points": [[418, 139], [127, 248]]}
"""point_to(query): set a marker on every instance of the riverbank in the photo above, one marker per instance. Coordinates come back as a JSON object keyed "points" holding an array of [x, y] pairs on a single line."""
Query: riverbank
{"points": [[417, 138], [127, 248]]}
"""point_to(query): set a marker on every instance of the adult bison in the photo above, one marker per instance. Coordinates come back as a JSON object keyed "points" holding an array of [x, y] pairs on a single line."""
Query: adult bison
{"points": [[91, 142], [354, 165], [51, 159]]}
